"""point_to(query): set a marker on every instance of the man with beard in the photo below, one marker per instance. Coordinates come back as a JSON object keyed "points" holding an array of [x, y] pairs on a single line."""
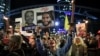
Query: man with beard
{"points": [[47, 19]]}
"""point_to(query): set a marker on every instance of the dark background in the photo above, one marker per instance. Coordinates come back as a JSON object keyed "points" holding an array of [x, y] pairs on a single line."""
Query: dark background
{"points": [[21, 3], [93, 26]]}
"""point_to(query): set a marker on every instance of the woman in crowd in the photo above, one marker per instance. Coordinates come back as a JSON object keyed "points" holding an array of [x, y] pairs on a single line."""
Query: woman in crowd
{"points": [[32, 49], [14, 46], [78, 48], [53, 49]]}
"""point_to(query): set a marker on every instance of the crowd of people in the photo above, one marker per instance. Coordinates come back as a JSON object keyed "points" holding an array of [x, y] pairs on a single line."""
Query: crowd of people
{"points": [[36, 44]]}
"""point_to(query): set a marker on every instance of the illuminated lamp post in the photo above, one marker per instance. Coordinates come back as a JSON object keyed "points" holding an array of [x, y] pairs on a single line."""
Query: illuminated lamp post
{"points": [[6, 22], [73, 10], [86, 24], [72, 25]]}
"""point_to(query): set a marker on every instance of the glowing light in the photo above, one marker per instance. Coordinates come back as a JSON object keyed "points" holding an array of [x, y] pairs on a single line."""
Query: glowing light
{"points": [[68, 13], [60, 29], [58, 0], [79, 22], [2, 10], [72, 1], [57, 23], [86, 21], [10, 26], [4, 17]]}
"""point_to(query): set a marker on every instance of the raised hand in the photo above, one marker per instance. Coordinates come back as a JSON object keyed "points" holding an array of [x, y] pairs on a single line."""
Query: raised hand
{"points": [[38, 30]]}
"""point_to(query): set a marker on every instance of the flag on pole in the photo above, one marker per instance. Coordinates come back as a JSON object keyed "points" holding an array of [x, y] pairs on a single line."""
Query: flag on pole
{"points": [[66, 24]]}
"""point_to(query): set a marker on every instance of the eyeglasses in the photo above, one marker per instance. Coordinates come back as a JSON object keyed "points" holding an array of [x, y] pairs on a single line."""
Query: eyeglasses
{"points": [[51, 38], [44, 38]]}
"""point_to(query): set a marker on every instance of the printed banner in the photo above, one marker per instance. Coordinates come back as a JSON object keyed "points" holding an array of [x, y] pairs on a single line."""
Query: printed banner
{"points": [[81, 29], [43, 17]]}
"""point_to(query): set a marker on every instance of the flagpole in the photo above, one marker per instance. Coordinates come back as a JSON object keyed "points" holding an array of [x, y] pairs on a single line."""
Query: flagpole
{"points": [[73, 10], [72, 27]]}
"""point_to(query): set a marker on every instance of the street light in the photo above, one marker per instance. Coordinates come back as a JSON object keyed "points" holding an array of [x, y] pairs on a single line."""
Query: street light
{"points": [[79, 22], [7, 22], [57, 23], [5, 18], [10, 27], [86, 21]]}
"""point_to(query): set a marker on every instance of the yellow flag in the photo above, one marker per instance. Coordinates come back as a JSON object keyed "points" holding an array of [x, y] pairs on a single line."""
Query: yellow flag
{"points": [[66, 24]]}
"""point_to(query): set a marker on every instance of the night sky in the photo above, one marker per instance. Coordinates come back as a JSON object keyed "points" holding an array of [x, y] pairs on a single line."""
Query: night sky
{"points": [[22, 3]]}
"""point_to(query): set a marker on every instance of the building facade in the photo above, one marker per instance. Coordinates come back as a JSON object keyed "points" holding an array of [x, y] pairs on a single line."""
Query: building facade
{"points": [[4, 10]]}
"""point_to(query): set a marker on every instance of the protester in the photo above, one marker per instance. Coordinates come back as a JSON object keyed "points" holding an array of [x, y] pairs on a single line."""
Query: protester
{"points": [[78, 47], [53, 49]]}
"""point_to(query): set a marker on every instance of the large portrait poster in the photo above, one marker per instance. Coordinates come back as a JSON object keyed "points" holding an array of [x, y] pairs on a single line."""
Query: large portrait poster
{"points": [[28, 18], [45, 16], [81, 29], [42, 16]]}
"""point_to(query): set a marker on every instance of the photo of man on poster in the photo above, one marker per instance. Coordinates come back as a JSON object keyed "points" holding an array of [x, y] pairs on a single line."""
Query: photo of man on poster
{"points": [[47, 19], [29, 17]]}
